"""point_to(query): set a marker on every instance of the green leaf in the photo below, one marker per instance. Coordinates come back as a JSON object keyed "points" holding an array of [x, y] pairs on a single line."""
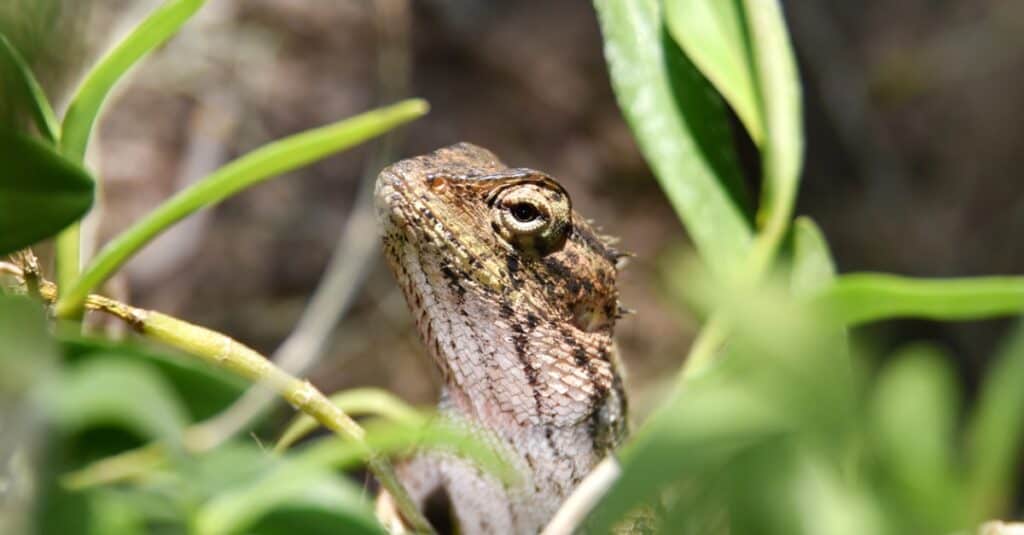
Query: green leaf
{"points": [[88, 100], [114, 391], [40, 192], [782, 151], [995, 433], [813, 269], [858, 298], [42, 112], [713, 34], [261, 164], [697, 432], [356, 402], [681, 127], [333, 504], [914, 413], [204, 389]]}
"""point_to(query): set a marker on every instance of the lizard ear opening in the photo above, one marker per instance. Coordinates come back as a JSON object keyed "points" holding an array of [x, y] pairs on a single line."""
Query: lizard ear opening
{"points": [[534, 219]]}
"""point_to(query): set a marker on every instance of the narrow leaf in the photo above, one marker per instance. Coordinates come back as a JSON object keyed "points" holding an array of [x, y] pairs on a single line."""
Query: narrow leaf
{"points": [[88, 100], [357, 402], [40, 192], [681, 127], [996, 433], [858, 298], [42, 112], [914, 413], [261, 164], [782, 151], [713, 35]]}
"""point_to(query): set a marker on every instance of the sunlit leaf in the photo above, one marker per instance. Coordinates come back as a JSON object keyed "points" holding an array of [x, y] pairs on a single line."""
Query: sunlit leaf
{"points": [[782, 151], [713, 34], [40, 192], [681, 127]]}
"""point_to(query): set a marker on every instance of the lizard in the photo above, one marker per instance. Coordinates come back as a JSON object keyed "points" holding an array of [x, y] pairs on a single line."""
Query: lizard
{"points": [[514, 296]]}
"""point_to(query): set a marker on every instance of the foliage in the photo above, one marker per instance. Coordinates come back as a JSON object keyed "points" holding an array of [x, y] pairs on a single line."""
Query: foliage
{"points": [[789, 430], [118, 415], [786, 427]]}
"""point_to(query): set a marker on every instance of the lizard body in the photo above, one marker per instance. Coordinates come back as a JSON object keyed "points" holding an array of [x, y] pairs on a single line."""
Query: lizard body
{"points": [[514, 296]]}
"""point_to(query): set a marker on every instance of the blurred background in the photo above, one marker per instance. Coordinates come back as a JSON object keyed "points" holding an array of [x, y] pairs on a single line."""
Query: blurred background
{"points": [[914, 119]]}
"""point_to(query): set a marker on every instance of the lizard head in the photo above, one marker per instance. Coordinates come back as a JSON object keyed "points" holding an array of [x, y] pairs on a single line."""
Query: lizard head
{"points": [[458, 221]]}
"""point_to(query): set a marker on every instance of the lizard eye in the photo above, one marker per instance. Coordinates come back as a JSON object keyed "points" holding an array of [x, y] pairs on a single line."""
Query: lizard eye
{"points": [[524, 212], [532, 218]]}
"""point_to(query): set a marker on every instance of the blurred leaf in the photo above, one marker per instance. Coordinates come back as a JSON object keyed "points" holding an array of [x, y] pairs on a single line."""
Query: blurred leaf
{"points": [[263, 163], [713, 34], [114, 391], [41, 111], [813, 269], [204, 389], [782, 151], [698, 431], [914, 414], [26, 347], [40, 192], [111, 513], [995, 433], [333, 505], [865, 297], [88, 100], [356, 402], [681, 127]]}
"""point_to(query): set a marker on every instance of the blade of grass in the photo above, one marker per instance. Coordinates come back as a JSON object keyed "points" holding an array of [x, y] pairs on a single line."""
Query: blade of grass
{"points": [[681, 127], [88, 100], [859, 298], [261, 164], [42, 112]]}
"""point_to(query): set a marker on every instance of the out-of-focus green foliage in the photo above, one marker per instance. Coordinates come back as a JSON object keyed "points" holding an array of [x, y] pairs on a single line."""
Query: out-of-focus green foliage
{"points": [[788, 430], [40, 192]]}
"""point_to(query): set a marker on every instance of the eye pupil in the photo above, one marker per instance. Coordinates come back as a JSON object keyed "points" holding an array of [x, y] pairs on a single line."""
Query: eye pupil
{"points": [[524, 212]]}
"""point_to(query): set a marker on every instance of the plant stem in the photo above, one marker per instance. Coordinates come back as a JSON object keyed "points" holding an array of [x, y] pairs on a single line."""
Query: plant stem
{"points": [[68, 251]]}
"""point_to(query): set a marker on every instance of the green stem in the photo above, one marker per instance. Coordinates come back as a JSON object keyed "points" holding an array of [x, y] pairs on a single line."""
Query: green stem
{"points": [[68, 251]]}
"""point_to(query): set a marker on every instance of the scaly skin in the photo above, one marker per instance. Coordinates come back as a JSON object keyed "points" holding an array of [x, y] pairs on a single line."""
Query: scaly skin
{"points": [[514, 297]]}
